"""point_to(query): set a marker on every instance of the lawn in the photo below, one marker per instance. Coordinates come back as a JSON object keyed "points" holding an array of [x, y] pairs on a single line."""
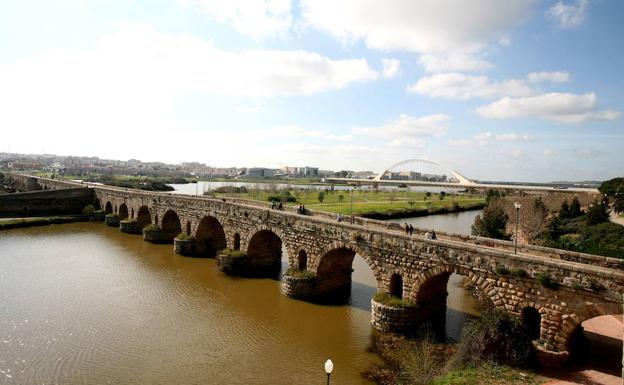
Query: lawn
{"points": [[339, 201]]}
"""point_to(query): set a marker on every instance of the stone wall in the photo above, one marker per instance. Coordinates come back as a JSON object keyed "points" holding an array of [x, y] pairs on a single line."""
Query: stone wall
{"points": [[47, 202]]}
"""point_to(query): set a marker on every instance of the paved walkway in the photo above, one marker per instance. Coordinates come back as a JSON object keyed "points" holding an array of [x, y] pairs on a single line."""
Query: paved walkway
{"points": [[610, 328], [616, 218]]}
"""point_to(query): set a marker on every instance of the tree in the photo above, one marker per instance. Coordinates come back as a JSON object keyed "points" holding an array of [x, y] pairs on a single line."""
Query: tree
{"points": [[564, 212], [427, 195], [575, 208], [321, 196], [610, 187], [491, 195], [340, 198], [534, 220], [598, 212], [618, 202], [442, 195], [493, 223], [411, 203], [392, 197]]}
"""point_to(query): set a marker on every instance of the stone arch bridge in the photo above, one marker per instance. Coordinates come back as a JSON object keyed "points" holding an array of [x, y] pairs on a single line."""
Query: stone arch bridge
{"points": [[580, 286]]}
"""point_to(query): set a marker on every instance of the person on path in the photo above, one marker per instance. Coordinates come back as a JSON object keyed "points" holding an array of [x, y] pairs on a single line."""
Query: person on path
{"points": [[411, 230], [406, 229]]}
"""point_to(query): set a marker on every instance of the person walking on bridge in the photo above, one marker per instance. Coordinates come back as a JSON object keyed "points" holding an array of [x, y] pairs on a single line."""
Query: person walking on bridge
{"points": [[411, 230], [406, 229]]}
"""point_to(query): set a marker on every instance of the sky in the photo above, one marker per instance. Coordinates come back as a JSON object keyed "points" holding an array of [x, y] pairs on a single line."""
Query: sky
{"points": [[516, 90]]}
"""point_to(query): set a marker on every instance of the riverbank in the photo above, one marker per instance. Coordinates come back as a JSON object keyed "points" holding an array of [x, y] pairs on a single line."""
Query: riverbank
{"points": [[411, 213], [18, 223]]}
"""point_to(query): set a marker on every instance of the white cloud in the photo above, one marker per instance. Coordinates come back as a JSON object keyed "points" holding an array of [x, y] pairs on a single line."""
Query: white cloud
{"points": [[256, 18], [422, 26], [456, 61], [568, 15], [407, 143], [391, 68], [293, 132], [460, 86], [406, 126], [554, 77], [556, 107], [488, 138]]}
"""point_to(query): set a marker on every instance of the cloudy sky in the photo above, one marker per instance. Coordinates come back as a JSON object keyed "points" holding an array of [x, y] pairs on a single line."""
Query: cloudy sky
{"points": [[522, 90]]}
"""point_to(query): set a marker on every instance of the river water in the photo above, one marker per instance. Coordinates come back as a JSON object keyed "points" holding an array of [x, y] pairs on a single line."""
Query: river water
{"points": [[83, 303]]}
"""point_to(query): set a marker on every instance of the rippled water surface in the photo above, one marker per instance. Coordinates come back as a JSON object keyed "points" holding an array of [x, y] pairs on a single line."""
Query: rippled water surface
{"points": [[84, 304]]}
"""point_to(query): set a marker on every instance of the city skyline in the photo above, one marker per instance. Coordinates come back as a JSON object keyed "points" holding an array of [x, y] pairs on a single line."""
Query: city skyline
{"points": [[520, 91]]}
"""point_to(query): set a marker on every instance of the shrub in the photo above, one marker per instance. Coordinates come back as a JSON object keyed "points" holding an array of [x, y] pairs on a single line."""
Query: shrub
{"points": [[185, 237], [519, 273], [546, 281], [88, 210], [151, 229], [294, 272], [493, 223], [112, 216], [390, 300], [232, 253], [502, 270], [495, 337]]}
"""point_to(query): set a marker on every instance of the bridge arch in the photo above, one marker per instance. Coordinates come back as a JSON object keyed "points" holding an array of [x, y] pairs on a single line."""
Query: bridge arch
{"points": [[108, 208], [171, 225], [236, 241], [396, 285], [532, 321], [302, 260], [334, 267], [123, 211], [144, 217], [209, 236], [264, 252]]}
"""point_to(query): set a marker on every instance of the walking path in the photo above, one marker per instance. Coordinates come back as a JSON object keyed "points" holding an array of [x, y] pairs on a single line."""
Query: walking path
{"points": [[605, 328], [615, 218]]}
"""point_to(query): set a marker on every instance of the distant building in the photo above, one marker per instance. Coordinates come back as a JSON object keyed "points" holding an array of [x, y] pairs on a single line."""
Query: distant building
{"points": [[22, 165]]}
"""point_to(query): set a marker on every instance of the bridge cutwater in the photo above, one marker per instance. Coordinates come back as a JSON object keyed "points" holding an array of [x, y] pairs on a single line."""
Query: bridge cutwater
{"points": [[413, 268]]}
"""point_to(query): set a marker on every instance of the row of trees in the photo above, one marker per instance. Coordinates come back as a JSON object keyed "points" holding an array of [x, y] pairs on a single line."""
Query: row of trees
{"points": [[567, 226]]}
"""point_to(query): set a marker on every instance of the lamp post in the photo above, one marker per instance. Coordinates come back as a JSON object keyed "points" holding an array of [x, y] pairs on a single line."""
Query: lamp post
{"points": [[329, 367], [352, 205], [517, 205]]}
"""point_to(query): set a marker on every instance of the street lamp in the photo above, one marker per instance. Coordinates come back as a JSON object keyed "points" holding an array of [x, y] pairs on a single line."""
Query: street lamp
{"points": [[517, 205], [329, 367], [352, 204]]}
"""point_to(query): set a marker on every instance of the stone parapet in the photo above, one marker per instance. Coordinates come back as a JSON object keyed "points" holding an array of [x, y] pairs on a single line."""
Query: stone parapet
{"points": [[551, 358]]}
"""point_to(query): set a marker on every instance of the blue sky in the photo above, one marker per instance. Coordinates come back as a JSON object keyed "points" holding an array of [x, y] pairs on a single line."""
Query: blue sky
{"points": [[521, 90]]}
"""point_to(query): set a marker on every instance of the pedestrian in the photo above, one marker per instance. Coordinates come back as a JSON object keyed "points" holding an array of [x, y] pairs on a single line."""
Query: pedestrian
{"points": [[411, 230], [406, 229], [433, 235], [281, 206]]}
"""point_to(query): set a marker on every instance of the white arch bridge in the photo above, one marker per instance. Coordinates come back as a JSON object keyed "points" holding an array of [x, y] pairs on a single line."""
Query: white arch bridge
{"points": [[423, 172]]}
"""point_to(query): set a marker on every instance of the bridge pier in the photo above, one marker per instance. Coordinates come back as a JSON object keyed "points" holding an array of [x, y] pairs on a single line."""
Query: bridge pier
{"points": [[129, 226]]}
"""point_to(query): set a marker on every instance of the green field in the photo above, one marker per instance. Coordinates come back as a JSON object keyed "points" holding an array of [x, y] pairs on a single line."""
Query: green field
{"points": [[364, 202]]}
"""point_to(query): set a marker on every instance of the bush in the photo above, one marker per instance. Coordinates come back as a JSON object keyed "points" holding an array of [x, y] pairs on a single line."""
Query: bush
{"points": [[232, 253], [502, 270], [495, 337], [294, 272], [151, 229], [493, 223], [390, 300], [185, 237], [112, 216], [546, 281], [519, 273], [88, 210]]}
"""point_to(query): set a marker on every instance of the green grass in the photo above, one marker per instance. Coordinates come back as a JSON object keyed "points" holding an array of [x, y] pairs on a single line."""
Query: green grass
{"points": [[232, 253], [365, 202], [487, 374], [389, 300]]}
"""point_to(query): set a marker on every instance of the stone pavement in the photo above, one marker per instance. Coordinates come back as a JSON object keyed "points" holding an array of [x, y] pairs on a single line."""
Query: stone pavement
{"points": [[606, 328]]}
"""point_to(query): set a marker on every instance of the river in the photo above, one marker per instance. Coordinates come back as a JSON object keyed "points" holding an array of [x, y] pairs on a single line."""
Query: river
{"points": [[83, 303]]}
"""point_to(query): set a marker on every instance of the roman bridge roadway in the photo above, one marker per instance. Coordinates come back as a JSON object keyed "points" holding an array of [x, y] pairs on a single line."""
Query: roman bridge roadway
{"points": [[553, 291]]}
